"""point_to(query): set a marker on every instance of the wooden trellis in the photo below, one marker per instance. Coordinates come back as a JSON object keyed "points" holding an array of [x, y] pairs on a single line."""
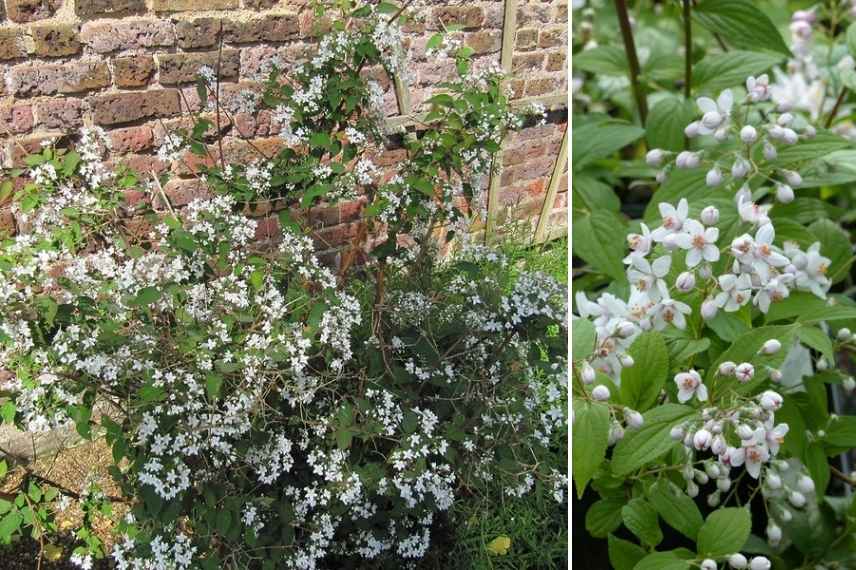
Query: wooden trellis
{"points": [[552, 190]]}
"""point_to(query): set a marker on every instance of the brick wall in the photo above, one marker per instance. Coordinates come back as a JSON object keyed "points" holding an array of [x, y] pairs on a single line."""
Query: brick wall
{"points": [[129, 66]]}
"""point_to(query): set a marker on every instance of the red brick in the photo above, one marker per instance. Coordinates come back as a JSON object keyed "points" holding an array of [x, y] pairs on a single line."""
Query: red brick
{"points": [[527, 62], [126, 107], [109, 8], [106, 36], [485, 41], [527, 39], [63, 113], [23, 147], [464, 16], [528, 170], [142, 163], [335, 236], [560, 13], [521, 153], [533, 14], [184, 67], [11, 44], [15, 119], [182, 191], [268, 28], [31, 10], [260, 4], [7, 222], [134, 71], [32, 80], [55, 40], [131, 139], [553, 36], [268, 228], [192, 5], [556, 61], [197, 33]]}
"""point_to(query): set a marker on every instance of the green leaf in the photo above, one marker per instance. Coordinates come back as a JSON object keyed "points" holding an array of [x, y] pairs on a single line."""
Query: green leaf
{"points": [[807, 308], [851, 39], [146, 296], [815, 338], [823, 144], [601, 138], [667, 121], [725, 531], [676, 508], [649, 442], [642, 382], [725, 70], [9, 524], [842, 432], [729, 326], [604, 516], [742, 23], [592, 194], [224, 521], [662, 561], [603, 60], [590, 439], [213, 385], [834, 244], [623, 554], [583, 337], [745, 349], [818, 467], [595, 242], [641, 519], [313, 192], [70, 162]]}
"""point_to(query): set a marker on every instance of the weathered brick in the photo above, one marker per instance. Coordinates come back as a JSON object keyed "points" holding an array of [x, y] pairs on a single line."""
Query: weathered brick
{"points": [[33, 80], [540, 86], [144, 163], [181, 192], [335, 236], [260, 4], [532, 15], [560, 13], [485, 41], [521, 153], [527, 62], [527, 171], [15, 119], [55, 40], [197, 33], [556, 61], [131, 139], [31, 10], [25, 146], [109, 8], [64, 113], [112, 35], [126, 107], [184, 67], [268, 28], [190, 5], [268, 229], [133, 71], [527, 39], [552, 36], [517, 87], [7, 222], [11, 44], [464, 16]]}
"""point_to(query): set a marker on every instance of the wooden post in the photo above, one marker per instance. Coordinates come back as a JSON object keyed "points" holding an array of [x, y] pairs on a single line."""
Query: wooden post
{"points": [[509, 29], [552, 188]]}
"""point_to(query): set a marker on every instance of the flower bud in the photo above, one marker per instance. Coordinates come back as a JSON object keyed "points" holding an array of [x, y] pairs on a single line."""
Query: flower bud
{"points": [[600, 393], [784, 193], [705, 271], [633, 418], [709, 216], [772, 346], [744, 432], [737, 561], [748, 134], [712, 469], [723, 484], [809, 132], [775, 375], [691, 130], [740, 168], [805, 484], [708, 564], [849, 384], [771, 401], [677, 433], [616, 434], [797, 499], [692, 490], [744, 372], [687, 159], [588, 373], [709, 309], [790, 136], [786, 515], [727, 368], [760, 563], [793, 178], [785, 119], [627, 361], [711, 119], [770, 152], [713, 499], [662, 176], [655, 157], [719, 445], [844, 334], [701, 439], [714, 177], [685, 282], [773, 480], [774, 533], [822, 364]]}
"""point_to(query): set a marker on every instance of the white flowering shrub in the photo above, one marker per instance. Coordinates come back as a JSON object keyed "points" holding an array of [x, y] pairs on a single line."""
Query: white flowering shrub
{"points": [[263, 411], [711, 349]]}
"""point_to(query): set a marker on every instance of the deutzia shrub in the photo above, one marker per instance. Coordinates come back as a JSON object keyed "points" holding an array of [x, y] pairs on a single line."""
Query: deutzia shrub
{"points": [[262, 410]]}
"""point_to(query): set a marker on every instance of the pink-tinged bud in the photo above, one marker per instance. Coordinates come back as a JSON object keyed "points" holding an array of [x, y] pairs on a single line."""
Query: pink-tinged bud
{"points": [[600, 393], [719, 445], [588, 373], [727, 368], [771, 401], [709, 216], [744, 372], [775, 375], [685, 282], [655, 157], [709, 309], [748, 134], [702, 439], [772, 346]]}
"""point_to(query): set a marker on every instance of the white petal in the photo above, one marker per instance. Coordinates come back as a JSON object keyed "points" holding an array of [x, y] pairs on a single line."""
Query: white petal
{"points": [[765, 234], [666, 209], [661, 266], [701, 393], [683, 208], [725, 101], [711, 235], [706, 104], [693, 257], [684, 395], [711, 253]]}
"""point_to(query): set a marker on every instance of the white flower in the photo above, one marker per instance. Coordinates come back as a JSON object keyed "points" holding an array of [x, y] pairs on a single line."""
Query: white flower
{"points": [[812, 274], [669, 311], [699, 241], [645, 276], [639, 243], [736, 291], [744, 372], [716, 113], [754, 454], [672, 219], [772, 346], [773, 290], [690, 384], [775, 437], [770, 400], [758, 88]]}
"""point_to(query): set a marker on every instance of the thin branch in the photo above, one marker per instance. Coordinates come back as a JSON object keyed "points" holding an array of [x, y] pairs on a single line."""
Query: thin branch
{"points": [[841, 96], [163, 194], [688, 50], [632, 59], [842, 477]]}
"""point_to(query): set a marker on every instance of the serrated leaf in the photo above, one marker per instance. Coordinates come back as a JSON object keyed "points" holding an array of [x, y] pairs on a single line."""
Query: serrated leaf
{"points": [[601, 138], [604, 516], [720, 71], [583, 337], [590, 438], [605, 60], [642, 382], [641, 519], [649, 442], [623, 554], [676, 508], [742, 23], [595, 242], [724, 532], [667, 121]]}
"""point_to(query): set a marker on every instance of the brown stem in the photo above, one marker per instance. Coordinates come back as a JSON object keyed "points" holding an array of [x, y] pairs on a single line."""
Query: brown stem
{"points": [[841, 95], [688, 51], [841, 476], [632, 59]]}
